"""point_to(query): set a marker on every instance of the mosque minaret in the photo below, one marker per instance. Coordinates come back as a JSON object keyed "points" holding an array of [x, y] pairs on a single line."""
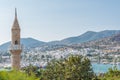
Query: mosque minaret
{"points": [[15, 47]]}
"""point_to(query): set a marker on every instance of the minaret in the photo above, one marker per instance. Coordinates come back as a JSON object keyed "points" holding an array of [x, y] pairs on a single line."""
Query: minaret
{"points": [[15, 47]]}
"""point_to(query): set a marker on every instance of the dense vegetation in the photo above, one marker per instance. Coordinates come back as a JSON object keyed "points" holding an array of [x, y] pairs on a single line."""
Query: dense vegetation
{"points": [[16, 75], [72, 68], [112, 74]]}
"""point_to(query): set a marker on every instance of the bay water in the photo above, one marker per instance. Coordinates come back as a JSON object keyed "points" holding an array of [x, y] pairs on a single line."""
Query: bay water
{"points": [[102, 68]]}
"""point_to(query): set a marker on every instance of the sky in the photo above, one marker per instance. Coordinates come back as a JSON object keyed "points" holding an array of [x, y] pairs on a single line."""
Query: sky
{"points": [[48, 20]]}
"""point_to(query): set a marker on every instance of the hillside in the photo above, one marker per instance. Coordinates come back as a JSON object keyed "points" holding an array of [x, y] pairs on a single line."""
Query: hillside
{"points": [[28, 42], [86, 37], [108, 43], [89, 36]]}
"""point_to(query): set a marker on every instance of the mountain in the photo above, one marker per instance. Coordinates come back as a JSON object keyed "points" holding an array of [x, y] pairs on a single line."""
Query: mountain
{"points": [[116, 38], [111, 43], [86, 37], [28, 42], [89, 36]]}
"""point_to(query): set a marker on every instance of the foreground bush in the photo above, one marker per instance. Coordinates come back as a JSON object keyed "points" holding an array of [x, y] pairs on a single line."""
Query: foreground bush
{"points": [[73, 68], [16, 75], [112, 74], [32, 69]]}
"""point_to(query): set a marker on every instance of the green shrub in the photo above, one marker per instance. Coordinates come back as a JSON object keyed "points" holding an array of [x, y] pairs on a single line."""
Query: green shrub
{"points": [[32, 69], [74, 68], [16, 75], [112, 74]]}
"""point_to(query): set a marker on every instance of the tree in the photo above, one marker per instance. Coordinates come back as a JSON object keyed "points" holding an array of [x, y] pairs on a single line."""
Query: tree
{"points": [[73, 68], [112, 74], [29, 70]]}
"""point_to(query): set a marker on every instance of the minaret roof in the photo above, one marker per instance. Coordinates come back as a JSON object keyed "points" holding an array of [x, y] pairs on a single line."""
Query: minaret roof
{"points": [[15, 23]]}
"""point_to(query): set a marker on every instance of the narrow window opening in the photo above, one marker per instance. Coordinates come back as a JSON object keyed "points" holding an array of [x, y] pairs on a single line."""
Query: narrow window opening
{"points": [[16, 42]]}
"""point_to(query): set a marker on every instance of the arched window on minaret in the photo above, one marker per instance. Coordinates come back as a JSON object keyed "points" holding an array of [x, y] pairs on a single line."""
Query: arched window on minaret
{"points": [[16, 42]]}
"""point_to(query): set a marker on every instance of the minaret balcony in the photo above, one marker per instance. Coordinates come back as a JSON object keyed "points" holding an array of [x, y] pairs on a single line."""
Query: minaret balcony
{"points": [[16, 47]]}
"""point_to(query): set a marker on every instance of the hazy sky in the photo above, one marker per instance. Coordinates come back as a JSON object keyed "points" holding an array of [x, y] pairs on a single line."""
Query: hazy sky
{"points": [[48, 20]]}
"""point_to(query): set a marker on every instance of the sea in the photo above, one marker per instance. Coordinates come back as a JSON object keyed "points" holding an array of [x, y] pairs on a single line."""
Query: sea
{"points": [[97, 67], [103, 68]]}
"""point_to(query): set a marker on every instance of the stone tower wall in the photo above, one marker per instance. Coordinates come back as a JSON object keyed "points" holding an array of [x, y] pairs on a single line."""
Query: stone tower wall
{"points": [[15, 59]]}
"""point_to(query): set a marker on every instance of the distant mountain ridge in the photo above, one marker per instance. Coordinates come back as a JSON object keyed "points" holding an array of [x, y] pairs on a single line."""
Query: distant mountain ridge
{"points": [[108, 43], [86, 37], [89, 36], [116, 38], [28, 42]]}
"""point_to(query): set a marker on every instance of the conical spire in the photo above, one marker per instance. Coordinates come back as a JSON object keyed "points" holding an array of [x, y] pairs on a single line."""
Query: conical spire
{"points": [[15, 13], [15, 24]]}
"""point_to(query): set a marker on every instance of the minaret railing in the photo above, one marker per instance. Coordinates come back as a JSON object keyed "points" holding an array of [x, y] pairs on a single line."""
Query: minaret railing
{"points": [[16, 47]]}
